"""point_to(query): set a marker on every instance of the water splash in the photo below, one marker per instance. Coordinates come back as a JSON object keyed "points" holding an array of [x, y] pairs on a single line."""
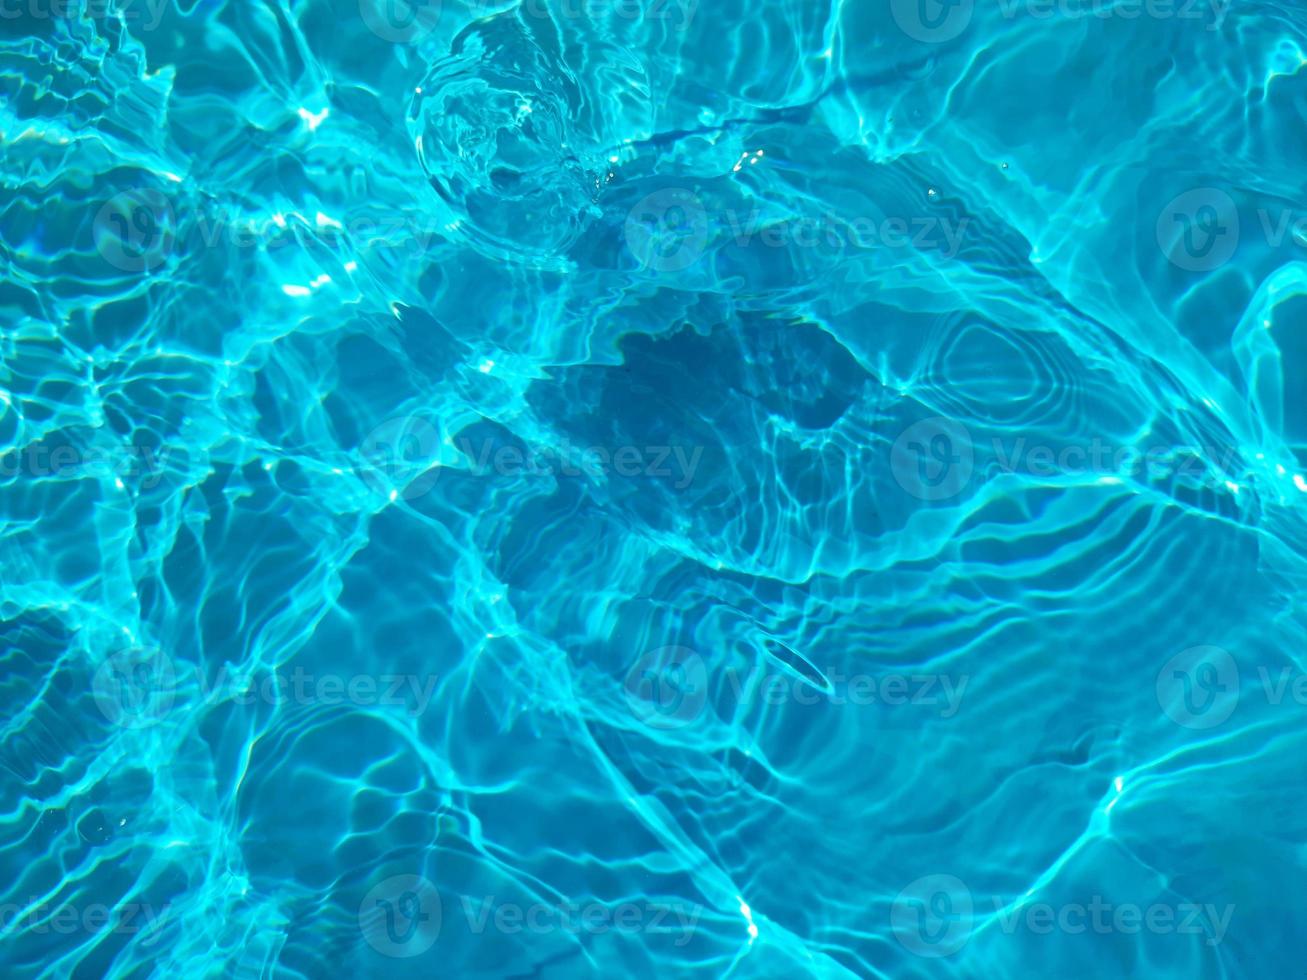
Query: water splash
{"points": [[497, 128]]}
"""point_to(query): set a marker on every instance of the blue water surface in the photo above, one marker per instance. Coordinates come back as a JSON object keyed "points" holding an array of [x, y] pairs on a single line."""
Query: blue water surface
{"points": [[603, 488]]}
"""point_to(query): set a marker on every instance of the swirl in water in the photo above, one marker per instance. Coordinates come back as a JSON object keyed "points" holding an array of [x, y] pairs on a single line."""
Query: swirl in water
{"points": [[495, 124]]}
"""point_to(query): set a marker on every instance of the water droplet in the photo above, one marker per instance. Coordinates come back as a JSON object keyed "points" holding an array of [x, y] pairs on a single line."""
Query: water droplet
{"points": [[496, 124]]}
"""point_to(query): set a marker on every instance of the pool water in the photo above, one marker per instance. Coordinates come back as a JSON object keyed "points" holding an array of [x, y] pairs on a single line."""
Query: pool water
{"points": [[596, 488]]}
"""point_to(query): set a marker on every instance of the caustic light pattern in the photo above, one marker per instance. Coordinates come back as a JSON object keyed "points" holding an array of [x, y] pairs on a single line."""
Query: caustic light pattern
{"points": [[598, 488]]}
